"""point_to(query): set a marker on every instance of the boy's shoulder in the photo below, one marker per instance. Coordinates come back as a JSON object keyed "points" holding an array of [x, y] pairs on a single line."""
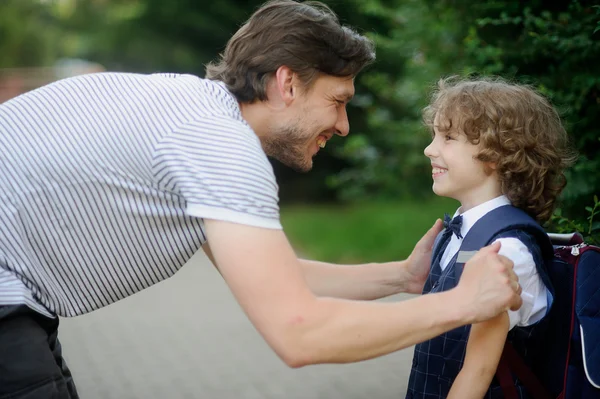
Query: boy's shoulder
{"points": [[505, 222], [524, 237]]}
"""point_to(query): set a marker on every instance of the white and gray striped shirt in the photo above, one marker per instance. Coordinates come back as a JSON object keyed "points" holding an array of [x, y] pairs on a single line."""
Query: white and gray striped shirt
{"points": [[105, 179]]}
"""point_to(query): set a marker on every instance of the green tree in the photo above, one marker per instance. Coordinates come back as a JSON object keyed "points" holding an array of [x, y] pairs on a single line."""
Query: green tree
{"points": [[28, 33], [553, 46], [416, 43]]}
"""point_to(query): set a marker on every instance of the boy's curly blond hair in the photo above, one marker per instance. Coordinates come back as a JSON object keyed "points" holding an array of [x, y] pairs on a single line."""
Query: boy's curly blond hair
{"points": [[518, 131]]}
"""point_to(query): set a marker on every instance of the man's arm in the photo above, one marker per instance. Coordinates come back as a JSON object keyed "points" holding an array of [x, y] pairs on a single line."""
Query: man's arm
{"points": [[266, 278], [209, 254], [359, 282], [484, 349], [368, 281]]}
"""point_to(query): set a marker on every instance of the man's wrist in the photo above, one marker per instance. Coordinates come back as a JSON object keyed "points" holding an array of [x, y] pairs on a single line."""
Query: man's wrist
{"points": [[400, 279], [412, 283], [413, 286], [462, 311], [445, 311], [397, 277]]}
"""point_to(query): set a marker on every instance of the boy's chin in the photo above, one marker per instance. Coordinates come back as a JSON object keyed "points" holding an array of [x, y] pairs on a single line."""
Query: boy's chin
{"points": [[440, 192]]}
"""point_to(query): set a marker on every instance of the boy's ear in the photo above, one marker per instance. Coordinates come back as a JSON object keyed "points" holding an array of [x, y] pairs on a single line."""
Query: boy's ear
{"points": [[490, 167]]}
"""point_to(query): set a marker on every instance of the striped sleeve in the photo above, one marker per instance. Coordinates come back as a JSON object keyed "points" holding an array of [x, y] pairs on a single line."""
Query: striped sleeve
{"points": [[219, 168]]}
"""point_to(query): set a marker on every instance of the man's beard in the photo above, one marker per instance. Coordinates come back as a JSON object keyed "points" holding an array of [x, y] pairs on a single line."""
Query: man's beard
{"points": [[289, 146]]}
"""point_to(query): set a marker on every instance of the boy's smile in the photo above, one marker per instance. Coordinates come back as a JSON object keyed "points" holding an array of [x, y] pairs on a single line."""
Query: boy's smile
{"points": [[437, 170]]}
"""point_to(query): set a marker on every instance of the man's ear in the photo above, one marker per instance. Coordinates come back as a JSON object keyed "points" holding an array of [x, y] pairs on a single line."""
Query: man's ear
{"points": [[286, 84]]}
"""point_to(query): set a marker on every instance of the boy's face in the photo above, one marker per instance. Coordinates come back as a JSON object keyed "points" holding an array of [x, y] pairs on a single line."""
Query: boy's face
{"points": [[456, 172]]}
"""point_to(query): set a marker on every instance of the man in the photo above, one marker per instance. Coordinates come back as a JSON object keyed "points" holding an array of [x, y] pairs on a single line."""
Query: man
{"points": [[112, 181]]}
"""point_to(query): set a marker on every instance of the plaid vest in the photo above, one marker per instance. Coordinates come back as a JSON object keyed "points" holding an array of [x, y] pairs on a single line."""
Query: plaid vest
{"points": [[437, 362]]}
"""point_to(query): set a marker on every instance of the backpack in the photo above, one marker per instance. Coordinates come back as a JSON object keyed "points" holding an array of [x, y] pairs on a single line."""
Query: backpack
{"points": [[569, 365]]}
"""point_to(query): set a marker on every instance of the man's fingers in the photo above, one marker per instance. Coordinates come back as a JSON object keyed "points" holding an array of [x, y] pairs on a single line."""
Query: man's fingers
{"points": [[506, 262], [516, 287], [434, 230], [429, 238], [495, 247], [514, 279], [517, 302], [513, 276]]}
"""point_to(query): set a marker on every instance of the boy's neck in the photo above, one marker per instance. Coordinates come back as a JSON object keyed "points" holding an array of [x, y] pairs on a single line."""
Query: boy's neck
{"points": [[470, 203]]}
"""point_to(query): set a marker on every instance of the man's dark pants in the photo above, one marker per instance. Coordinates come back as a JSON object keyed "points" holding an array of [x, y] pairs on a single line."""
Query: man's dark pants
{"points": [[31, 363]]}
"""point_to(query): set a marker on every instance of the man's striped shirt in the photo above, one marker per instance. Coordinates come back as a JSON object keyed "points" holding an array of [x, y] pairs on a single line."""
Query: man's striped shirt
{"points": [[105, 180]]}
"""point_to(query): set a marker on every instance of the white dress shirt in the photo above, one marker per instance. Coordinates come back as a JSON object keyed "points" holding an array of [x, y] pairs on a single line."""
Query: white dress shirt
{"points": [[535, 294]]}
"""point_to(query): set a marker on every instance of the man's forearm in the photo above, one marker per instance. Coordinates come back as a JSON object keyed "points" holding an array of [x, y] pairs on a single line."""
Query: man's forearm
{"points": [[348, 331], [361, 282]]}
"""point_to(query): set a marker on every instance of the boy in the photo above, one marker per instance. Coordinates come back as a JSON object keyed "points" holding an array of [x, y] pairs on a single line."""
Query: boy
{"points": [[494, 144]]}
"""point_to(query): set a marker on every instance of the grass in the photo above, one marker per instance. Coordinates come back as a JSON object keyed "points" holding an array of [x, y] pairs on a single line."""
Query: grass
{"points": [[371, 232]]}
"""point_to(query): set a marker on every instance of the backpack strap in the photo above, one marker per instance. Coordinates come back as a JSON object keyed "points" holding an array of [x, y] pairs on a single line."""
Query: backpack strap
{"points": [[505, 378], [511, 361], [495, 222]]}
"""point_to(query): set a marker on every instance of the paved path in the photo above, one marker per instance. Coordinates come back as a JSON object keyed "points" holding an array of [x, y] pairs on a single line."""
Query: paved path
{"points": [[187, 338]]}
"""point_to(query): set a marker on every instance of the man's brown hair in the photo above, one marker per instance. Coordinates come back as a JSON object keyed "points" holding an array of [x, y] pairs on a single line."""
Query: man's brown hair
{"points": [[306, 37], [519, 131]]}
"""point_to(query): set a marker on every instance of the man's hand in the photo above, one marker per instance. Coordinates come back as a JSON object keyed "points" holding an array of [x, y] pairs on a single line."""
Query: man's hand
{"points": [[419, 261], [488, 285]]}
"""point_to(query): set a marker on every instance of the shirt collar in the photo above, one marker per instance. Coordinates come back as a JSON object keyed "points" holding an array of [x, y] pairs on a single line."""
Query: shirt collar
{"points": [[471, 216]]}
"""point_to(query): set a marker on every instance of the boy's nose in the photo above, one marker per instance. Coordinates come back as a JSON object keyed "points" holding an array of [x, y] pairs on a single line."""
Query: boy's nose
{"points": [[429, 151]]}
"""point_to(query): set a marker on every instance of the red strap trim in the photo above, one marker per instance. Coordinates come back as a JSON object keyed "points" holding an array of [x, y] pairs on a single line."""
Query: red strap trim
{"points": [[505, 378], [524, 373], [566, 373]]}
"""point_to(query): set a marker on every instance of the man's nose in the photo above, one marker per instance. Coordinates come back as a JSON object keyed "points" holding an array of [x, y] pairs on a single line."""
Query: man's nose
{"points": [[342, 127]]}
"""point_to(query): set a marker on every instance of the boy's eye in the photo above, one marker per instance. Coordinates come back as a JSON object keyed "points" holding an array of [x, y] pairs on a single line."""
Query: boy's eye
{"points": [[448, 137]]}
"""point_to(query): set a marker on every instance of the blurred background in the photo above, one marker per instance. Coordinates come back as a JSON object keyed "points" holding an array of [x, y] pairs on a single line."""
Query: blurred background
{"points": [[369, 196], [377, 180]]}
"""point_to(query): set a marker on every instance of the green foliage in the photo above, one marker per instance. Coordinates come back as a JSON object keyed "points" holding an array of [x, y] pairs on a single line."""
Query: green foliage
{"points": [[416, 44], [155, 35], [364, 232], [589, 228], [27, 34], [553, 46]]}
